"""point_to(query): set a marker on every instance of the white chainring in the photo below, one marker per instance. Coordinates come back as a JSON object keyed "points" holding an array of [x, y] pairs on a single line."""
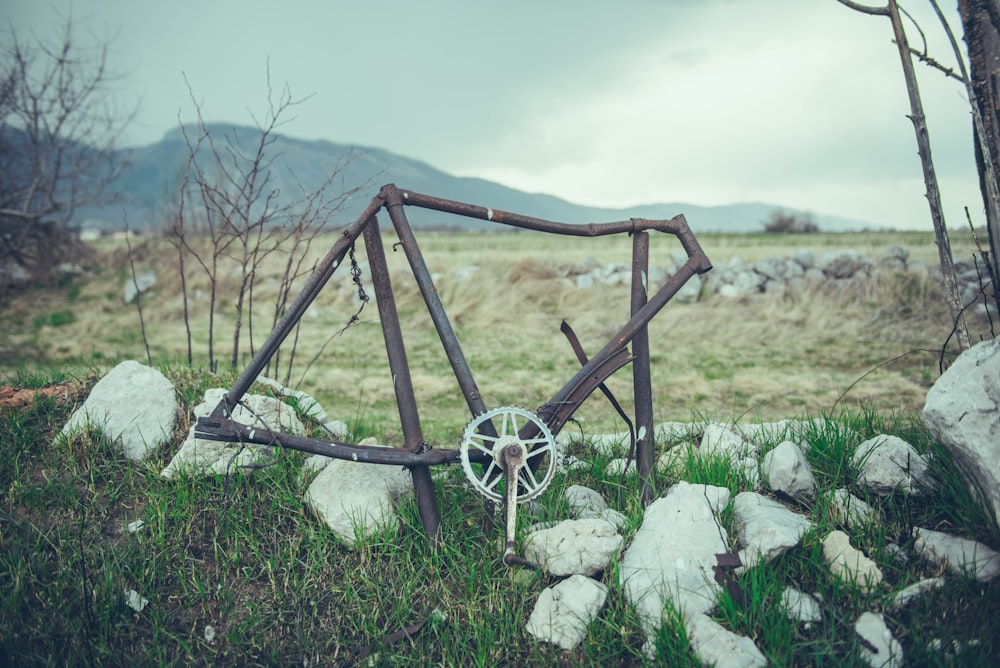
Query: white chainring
{"points": [[540, 452]]}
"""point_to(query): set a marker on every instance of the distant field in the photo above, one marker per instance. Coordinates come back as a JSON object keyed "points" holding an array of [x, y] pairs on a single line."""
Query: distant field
{"points": [[767, 356]]}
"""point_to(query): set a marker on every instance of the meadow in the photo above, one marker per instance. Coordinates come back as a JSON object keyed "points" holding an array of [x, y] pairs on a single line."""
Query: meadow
{"points": [[239, 572]]}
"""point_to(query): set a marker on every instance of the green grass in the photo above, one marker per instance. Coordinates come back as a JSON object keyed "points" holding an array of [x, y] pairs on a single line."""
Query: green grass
{"points": [[247, 558]]}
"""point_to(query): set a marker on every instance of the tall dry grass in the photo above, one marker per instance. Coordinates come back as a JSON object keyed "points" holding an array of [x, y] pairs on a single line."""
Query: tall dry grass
{"points": [[769, 355]]}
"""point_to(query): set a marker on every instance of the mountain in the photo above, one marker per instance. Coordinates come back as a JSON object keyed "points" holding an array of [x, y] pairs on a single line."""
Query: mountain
{"points": [[156, 172]]}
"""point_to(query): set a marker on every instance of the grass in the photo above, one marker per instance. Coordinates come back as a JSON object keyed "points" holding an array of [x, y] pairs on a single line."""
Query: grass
{"points": [[246, 557], [875, 343]]}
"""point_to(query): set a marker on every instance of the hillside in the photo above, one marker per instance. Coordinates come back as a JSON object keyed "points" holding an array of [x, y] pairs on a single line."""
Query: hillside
{"points": [[156, 172]]}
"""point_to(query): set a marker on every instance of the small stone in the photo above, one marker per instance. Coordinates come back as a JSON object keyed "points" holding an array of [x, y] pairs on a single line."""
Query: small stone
{"points": [[850, 564], [962, 556], [880, 649], [800, 606], [135, 526], [209, 635], [134, 600], [583, 547], [563, 611], [904, 596], [886, 464]]}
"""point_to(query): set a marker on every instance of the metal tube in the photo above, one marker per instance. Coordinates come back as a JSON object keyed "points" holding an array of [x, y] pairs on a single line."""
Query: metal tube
{"points": [[402, 383], [235, 432], [641, 381], [309, 291], [459, 365]]}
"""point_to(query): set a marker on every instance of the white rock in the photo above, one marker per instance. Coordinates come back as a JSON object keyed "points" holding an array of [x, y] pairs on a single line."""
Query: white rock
{"points": [[717, 646], [722, 440], [849, 509], [609, 515], [563, 611], [962, 410], [584, 499], [800, 606], [904, 596], [140, 284], [135, 526], [584, 547], [787, 470], [355, 499], [198, 456], [618, 466], [673, 553], [133, 404], [888, 463], [962, 556], [337, 429], [609, 444], [134, 600], [850, 564], [887, 651], [766, 528]]}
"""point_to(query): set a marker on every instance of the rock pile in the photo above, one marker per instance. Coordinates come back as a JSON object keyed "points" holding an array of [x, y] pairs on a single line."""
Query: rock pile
{"points": [[770, 275], [675, 555]]}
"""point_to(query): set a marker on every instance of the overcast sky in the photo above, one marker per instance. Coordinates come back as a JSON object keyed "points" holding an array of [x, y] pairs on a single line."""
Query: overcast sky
{"points": [[613, 103]]}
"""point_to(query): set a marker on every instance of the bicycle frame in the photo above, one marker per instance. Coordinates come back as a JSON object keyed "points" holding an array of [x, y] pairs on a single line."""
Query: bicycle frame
{"points": [[415, 454]]}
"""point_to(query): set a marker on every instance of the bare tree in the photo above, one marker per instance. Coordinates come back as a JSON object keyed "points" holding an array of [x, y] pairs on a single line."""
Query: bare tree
{"points": [[892, 11], [58, 131], [981, 24], [230, 208]]}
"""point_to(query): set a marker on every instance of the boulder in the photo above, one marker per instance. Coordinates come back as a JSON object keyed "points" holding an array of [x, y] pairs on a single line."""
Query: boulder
{"points": [[133, 404], [962, 410]]}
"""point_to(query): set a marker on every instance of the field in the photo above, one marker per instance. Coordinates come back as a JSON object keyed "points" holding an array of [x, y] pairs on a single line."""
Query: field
{"points": [[877, 342], [244, 557]]}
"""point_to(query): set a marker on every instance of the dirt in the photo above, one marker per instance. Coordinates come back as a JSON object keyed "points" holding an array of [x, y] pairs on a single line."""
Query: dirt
{"points": [[11, 397]]}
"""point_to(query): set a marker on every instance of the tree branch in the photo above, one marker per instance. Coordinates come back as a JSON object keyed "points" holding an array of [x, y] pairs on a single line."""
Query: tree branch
{"points": [[865, 9]]}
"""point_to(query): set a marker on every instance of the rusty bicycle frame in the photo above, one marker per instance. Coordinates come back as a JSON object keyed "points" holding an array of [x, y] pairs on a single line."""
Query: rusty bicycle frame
{"points": [[416, 454]]}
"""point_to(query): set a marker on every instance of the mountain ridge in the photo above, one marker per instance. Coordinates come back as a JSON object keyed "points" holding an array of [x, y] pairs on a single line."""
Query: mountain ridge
{"points": [[302, 165]]}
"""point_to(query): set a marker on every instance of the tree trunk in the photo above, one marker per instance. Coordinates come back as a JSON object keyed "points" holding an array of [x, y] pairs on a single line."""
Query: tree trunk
{"points": [[981, 25], [930, 181]]}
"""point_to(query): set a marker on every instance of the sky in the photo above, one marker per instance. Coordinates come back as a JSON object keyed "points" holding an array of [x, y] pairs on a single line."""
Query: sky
{"points": [[614, 103]]}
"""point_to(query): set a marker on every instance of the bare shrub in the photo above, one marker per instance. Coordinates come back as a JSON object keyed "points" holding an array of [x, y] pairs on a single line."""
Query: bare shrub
{"points": [[782, 222], [230, 209], [58, 133]]}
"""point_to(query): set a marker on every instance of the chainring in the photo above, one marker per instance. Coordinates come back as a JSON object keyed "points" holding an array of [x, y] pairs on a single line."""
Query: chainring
{"points": [[540, 457]]}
